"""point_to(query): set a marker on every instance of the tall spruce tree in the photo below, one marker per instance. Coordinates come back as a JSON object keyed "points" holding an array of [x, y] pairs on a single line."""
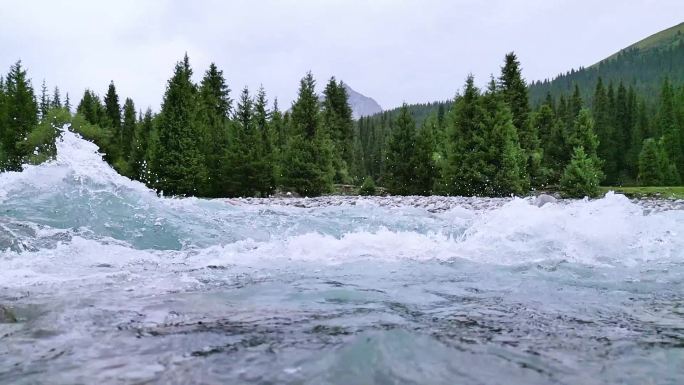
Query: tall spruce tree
{"points": [[338, 121], [3, 122], [180, 166], [669, 128], [139, 145], [128, 128], [215, 108], [506, 160], [465, 168], [113, 116], [263, 157], [67, 103], [583, 174], [514, 90], [553, 141], [241, 174], [606, 133], [21, 112], [400, 171], [44, 105], [308, 156], [424, 164], [56, 101], [91, 108]]}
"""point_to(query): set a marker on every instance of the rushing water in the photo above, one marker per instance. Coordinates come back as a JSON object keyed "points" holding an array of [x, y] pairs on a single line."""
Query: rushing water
{"points": [[112, 284]]}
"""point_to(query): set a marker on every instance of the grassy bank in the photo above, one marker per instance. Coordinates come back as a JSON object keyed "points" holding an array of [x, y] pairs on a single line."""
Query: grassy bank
{"points": [[648, 192]]}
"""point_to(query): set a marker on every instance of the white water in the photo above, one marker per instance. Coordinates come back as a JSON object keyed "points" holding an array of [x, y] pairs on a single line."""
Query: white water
{"points": [[110, 281]]}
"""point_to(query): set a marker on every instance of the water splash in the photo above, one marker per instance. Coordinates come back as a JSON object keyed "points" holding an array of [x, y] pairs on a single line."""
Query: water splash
{"points": [[538, 294]]}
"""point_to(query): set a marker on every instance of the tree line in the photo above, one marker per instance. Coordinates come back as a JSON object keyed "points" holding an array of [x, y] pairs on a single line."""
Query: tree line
{"points": [[485, 142]]}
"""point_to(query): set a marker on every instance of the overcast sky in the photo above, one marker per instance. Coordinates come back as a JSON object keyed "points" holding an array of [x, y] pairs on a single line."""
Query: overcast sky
{"points": [[391, 50]]}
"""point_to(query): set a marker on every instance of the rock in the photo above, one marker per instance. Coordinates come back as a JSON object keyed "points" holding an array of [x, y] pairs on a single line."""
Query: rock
{"points": [[7, 315], [543, 199]]}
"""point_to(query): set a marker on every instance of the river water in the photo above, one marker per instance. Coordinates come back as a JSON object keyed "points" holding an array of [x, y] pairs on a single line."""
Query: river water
{"points": [[112, 284]]}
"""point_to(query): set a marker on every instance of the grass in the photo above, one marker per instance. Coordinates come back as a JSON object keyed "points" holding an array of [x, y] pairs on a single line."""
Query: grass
{"points": [[676, 192]]}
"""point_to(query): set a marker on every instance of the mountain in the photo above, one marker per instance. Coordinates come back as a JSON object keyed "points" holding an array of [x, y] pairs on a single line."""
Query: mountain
{"points": [[361, 105], [643, 65]]}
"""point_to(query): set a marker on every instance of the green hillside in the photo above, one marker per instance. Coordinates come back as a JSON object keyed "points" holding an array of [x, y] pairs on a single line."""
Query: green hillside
{"points": [[643, 65]]}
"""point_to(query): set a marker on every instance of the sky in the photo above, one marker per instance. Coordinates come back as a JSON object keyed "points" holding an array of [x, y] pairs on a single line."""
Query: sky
{"points": [[392, 50]]}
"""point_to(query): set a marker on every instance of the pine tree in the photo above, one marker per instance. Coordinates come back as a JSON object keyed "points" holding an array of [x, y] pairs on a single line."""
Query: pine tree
{"points": [[424, 165], [21, 112], [44, 101], [581, 177], [56, 101], [651, 164], [3, 122], [583, 174], [308, 157], [128, 128], [139, 147], [113, 116], [338, 121], [552, 138], [506, 160], [263, 150], [400, 172], [669, 127], [465, 168], [67, 103], [215, 108], [91, 108], [605, 130], [180, 166], [514, 89]]}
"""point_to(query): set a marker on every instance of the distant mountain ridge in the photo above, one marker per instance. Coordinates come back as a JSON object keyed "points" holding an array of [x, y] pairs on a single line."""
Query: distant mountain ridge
{"points": [[360, 104], [643, 65]]}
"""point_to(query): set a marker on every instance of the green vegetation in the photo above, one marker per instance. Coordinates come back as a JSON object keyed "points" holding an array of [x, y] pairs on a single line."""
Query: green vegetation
{"points": [[642, 66], [647, 191], [585, 130], [368, 187]]}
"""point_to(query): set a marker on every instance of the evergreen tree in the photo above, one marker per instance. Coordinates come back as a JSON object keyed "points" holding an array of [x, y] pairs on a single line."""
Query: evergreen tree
{"points": [[338, 121], [91, 108], [21, 112], [139, 147], [67, 103], [514, 90], [581, 177], [465, 168], [44, 100], [583, 174], [308, 157], [215, 107], [553, 141], [263, 150], [113, 116], [368, 187], [669, 127], [604, 119], [180, 166], [56, 101], [128, 128], [400, 169], [423, 160], [652, 164], [506, 159]]}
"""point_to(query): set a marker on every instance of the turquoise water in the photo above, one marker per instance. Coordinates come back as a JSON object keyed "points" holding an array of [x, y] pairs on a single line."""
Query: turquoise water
{"points": [[113, 284]]}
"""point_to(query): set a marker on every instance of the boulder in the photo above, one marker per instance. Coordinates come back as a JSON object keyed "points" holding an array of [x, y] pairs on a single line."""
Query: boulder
{"points": [[543, 199]]}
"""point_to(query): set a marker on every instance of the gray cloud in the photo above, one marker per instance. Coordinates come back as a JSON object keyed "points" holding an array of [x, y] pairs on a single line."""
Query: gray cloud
{"points": [[394, 51]]}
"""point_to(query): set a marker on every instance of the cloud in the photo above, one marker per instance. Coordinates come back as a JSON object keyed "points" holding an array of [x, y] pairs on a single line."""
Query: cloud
{"points": [[394, 51]]}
